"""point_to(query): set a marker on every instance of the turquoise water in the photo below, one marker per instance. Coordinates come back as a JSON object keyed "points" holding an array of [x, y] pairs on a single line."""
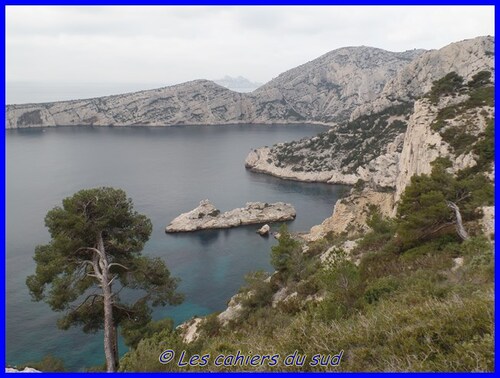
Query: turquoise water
{"points": [[166, 171]]}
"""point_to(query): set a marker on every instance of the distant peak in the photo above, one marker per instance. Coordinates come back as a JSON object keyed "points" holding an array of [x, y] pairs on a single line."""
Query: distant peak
{"points": [[238, 83]]}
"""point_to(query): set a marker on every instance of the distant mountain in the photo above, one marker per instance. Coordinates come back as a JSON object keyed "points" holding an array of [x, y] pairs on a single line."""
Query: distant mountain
{"points": [[238, 84], [330, 89]]}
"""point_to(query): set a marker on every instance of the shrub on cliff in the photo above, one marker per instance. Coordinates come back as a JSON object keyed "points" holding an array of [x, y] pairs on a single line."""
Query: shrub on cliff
{"points": [[282, 255], [447, 85], [423, 212]]}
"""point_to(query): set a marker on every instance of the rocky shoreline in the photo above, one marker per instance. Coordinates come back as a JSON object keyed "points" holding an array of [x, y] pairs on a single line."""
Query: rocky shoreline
{"points": [[257, 161], [206, 216]]}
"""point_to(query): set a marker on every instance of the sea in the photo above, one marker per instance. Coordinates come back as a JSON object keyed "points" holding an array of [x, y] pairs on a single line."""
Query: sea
{"points": [[166, 171]]}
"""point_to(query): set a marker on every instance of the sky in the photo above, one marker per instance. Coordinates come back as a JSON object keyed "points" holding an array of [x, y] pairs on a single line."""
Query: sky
{"points": [[153, 46]]}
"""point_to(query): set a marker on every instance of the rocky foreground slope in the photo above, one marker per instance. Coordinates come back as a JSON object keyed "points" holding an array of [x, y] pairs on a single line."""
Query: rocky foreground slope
{"points": [[451, 128]]}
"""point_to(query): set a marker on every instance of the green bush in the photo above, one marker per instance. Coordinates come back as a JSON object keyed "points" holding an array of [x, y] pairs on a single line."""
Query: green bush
{"points": [[145, 357], [309, 286], [48, 364], [382, 231], [484, 148], [210, 326], [359, 186], [447, 85], [480, 79], [341, 280], [257, 292], [461, 141], [380, 288], [423, 213], [133, 334]]}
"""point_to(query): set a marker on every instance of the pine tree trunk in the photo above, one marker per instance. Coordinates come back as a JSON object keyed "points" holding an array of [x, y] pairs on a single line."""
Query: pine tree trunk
{"points": [[460, 226], [109, 337], [115, 347]]}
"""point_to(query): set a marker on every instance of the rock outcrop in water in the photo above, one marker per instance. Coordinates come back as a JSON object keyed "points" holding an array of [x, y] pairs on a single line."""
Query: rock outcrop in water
{"points": [[264, 230], [207, 216]]}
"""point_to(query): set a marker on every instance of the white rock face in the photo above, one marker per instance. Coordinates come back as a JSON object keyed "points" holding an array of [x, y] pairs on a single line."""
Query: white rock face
{"points": [[466, 58], [488, 220], [233, 310], [257, 161], [330, 87], [458, 262], [264, 230], [279, 296], [340, 85], [421, 146], [384, 165], [206, 216], [350, 214], [382, 171], [26, 370], [189, 330], [195, 102]]}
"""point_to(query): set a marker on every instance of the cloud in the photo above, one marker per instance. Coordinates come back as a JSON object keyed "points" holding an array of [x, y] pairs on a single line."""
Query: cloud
{"points": [[174, 44]]}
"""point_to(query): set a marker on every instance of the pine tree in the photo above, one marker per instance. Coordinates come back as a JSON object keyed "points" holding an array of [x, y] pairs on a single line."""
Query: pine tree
{"points": [[94, 254]]}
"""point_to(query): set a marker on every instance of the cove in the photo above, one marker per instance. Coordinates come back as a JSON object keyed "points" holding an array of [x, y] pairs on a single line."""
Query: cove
{"points": [[166, 171]]}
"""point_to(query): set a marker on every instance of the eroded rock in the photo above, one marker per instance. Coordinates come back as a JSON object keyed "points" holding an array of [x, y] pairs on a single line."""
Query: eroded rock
{"points": [[207, 216], [264, 230]]}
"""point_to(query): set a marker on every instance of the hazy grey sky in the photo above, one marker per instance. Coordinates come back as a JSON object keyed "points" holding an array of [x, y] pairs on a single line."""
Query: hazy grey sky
{"points": [[161, 44]]}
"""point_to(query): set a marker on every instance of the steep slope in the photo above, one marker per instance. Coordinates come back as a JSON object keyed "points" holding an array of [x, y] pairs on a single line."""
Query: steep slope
{"points": [[453, 122], [368, 147], [331, 87], [466, 58]]}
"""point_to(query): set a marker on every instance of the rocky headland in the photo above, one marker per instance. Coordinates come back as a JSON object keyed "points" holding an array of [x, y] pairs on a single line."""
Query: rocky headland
{"points": [[368, 145], [325, 90], [206, 216]]}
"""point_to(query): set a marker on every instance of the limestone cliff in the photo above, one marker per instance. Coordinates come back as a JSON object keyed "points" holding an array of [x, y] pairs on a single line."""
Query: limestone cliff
{"points": [[364, 149], [466, 58], [454, 126], [324, 90], [260, 160], [340, 85], [423, 143], [196, 102], [368, 147], [350, 214], [397, 135], [329, 88]]}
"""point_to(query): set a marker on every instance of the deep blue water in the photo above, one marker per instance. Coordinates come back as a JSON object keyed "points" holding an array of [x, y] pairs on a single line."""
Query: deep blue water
{"points": [[166, 171]]}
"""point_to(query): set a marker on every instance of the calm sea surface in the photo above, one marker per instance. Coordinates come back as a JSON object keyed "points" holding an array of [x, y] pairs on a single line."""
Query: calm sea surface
{"points": [[166, 171]]}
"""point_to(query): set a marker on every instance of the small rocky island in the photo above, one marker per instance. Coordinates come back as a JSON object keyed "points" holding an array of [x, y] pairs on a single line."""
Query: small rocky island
{"points": [[207, 216]]}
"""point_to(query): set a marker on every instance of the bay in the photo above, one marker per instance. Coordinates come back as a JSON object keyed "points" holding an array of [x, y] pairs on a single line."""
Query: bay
{"points": [[166, 171]]}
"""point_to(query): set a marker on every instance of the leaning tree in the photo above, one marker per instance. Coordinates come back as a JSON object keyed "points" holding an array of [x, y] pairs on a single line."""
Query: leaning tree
{"points": [[94, 254]]}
